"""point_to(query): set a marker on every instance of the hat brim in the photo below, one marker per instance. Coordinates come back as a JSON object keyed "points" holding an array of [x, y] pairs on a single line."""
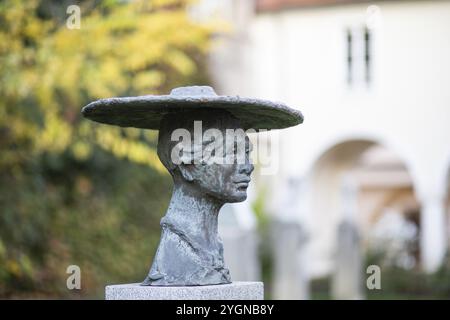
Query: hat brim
{"points": [[147, 111]]}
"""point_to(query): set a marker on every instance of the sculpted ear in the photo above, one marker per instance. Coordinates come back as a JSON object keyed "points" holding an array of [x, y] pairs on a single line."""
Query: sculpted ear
{"points": [[187, 171]]}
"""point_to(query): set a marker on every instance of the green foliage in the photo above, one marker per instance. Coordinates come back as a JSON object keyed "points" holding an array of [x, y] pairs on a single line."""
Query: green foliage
{"points": [[71, 191], [398, 283]]}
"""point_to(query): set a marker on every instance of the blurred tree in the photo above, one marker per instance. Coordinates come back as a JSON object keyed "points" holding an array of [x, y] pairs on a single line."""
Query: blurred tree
{"points": [[71, 191]]}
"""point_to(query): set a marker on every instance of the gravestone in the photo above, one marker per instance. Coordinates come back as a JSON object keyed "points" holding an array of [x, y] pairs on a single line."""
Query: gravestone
{"points": [[347, 277], [290, 242], [238, 230], [290, 276]]}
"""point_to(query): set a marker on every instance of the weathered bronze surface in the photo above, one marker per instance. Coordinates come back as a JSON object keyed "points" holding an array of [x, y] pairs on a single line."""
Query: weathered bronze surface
{"points": [[190, 251]]}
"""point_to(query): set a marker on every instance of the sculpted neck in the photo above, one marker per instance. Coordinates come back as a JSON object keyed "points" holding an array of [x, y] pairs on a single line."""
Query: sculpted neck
{"points": [[194, 213]]}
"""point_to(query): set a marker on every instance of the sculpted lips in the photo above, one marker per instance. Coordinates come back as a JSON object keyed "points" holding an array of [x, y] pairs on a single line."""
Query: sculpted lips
{"points": [[242, 183]]}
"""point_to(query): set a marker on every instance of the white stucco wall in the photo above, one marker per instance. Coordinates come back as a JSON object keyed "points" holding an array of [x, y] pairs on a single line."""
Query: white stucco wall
{"points": [[298, 56], [300, 59]]}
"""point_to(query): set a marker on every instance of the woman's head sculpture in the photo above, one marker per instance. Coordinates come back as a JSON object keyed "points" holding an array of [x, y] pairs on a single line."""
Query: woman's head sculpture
{"points": [[208, 159], [203, 145]]}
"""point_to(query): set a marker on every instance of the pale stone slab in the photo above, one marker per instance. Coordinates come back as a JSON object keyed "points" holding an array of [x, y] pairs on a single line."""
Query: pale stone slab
{"points": [[231, 291]]}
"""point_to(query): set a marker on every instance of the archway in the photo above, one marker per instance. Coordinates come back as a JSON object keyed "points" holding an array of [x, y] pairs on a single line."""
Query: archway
{"points": [[369, 184]]}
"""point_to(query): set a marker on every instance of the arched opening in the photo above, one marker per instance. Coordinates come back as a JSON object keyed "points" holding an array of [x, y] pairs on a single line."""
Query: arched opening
{"points": [[388, 209], [364, 188]]}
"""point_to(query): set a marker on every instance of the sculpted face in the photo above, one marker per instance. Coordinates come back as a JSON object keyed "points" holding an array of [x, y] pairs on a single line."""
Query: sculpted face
{"points": [[213, 155], [227, 181]]}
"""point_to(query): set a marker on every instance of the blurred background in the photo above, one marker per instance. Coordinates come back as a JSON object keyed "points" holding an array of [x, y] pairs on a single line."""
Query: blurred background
{"points": [[358, 206]]}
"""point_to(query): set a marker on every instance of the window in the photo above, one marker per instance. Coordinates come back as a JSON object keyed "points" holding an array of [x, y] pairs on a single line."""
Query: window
{"points": [[358, 56], [349, 57]]}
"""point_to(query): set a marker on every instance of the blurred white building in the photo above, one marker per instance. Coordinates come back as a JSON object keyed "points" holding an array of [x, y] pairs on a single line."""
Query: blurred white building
{"points": [[372, 79]]}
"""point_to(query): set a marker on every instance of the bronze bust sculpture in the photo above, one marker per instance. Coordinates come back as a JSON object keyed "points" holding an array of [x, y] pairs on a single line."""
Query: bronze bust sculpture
{"points": [[190, 251]]}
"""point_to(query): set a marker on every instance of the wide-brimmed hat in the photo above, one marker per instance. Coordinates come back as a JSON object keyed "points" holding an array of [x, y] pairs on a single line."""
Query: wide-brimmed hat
{"points": [[147, 111]]}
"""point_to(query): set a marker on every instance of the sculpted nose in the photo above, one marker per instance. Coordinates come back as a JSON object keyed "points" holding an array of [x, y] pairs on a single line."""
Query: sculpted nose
{"points": [[247, 168]]}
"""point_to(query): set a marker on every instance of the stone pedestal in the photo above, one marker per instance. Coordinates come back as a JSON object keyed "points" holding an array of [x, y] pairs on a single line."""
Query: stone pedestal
{"points": [[232, 291]]}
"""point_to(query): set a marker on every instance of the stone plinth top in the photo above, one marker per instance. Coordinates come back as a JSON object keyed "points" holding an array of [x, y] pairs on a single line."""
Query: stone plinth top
{"points": [[231, 291]]}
